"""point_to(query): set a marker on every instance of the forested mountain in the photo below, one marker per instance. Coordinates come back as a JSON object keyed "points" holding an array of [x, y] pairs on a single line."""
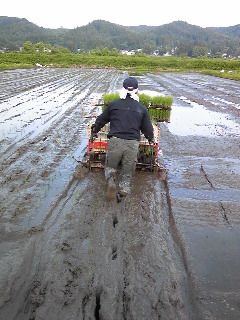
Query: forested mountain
{"points": [[14, 32], [233, 31], [179, 38], [185, 38], [102, 34]]}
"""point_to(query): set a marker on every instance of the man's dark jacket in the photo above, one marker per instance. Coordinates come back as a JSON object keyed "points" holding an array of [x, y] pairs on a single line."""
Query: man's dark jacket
{"points": [[127, 118]]}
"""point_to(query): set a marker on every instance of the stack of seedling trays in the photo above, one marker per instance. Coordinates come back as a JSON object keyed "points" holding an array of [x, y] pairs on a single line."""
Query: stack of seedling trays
{"points": [[148, 153], [159, 107]]}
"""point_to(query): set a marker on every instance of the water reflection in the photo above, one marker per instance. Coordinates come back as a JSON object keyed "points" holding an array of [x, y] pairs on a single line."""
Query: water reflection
{"points": [[197, 120]]}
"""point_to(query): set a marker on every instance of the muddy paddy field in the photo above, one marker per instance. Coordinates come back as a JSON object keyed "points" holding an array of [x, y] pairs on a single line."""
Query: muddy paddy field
{"points": [[170, 251]]}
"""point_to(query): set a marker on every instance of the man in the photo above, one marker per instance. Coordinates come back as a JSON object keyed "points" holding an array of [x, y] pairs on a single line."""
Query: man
{"points": [[127, 119]]}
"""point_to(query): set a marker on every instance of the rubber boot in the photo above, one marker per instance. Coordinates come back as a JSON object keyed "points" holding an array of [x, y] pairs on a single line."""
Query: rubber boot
{"points": [[111, 189], [121, 195]]}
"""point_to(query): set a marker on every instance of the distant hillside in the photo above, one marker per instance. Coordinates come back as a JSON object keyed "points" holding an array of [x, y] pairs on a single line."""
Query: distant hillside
{"points": [[15, 31], [178, 37], [102, 34], [233, 31]]}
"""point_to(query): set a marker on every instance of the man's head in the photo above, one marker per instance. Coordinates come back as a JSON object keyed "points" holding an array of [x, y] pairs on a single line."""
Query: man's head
{"points": [[130, 84]]}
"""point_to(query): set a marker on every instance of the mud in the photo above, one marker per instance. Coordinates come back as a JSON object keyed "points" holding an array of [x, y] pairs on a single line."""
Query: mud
{"points": [[170, 251]]}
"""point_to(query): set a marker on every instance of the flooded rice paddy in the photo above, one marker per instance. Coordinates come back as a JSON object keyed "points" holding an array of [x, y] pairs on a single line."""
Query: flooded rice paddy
{"points": [[170, 251]]}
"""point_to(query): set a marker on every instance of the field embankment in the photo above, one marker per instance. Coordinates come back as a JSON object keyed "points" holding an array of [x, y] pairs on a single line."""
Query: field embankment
{"points": [[225, 68]]}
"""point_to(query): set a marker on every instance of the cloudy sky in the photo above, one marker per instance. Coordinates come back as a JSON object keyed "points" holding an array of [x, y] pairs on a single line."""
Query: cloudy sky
{"points": [[75, 13]]}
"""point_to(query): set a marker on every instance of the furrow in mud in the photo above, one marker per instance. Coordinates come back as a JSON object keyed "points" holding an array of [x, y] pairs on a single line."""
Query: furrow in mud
{"points": [[42, 113], [22, 80], [35, 166], [97, 270], [222, 95], [203, 180], [181, 248]]}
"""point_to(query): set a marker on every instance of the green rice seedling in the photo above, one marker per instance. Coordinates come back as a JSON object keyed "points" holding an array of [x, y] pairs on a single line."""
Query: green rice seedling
{"points": [[157, 101], [149, 151], [146, 154], [157, 105], [168, 101], [159, 115], [164, 115], [144, 99], [152, 114], [161, 101], [109, 97], [168, 114]]}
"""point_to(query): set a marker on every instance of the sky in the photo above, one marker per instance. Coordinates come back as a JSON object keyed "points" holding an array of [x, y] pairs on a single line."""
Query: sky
{"points": [[76, 13]]}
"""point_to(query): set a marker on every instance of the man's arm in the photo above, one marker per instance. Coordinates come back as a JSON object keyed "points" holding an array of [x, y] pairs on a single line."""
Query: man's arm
{"points": [[146, 127], [101, 120]]}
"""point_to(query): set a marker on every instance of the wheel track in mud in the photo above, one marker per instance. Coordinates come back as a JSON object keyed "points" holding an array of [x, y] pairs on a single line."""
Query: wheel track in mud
{"points": [[24, 80], [204, 184], [195, 87], [95, 85], [181, 248], [47, 145], [41, 89], [32, 138], [30, 133], [116, 246], [192, 82]]}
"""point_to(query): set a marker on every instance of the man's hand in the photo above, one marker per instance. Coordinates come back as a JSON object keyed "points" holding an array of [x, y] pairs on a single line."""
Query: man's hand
{"points": [[151, 141], [93, 133], [93, 136]]}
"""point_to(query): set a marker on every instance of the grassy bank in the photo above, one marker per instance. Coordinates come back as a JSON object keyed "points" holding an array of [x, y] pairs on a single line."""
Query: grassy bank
{"points": [[132, 64]]}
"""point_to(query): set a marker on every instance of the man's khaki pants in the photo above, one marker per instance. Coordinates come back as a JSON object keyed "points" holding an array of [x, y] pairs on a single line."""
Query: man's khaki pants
{"points": [[122, 155]]}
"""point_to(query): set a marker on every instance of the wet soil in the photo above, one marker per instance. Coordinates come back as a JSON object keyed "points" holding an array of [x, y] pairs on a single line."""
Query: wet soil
{"points": [[170, 251]]}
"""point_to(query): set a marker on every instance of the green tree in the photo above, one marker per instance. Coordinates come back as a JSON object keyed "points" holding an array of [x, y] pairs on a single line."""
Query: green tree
{"points": [[114, 52], [58, 49], [199, 51], [39, 46], [28, 47], [97, 51], [105, 52]]}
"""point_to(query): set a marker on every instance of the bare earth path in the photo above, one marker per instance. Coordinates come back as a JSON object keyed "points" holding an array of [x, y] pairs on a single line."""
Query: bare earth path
{"points": [[170, 251]]}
